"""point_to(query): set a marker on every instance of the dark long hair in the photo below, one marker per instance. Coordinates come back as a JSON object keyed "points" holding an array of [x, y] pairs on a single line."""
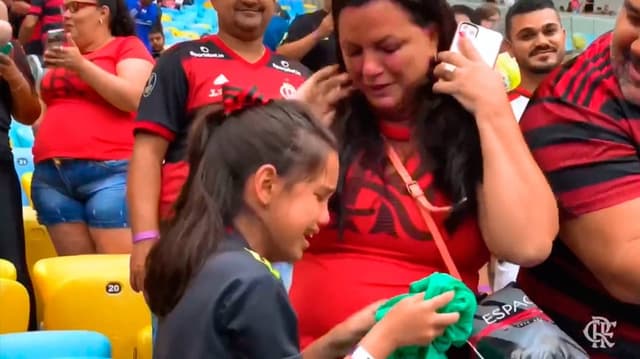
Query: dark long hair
{"points": [[446, 133], [223, 152], [120, 20]]}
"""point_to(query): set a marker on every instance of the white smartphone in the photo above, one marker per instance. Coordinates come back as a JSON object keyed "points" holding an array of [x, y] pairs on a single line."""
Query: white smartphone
{"points": [[486, 41]]}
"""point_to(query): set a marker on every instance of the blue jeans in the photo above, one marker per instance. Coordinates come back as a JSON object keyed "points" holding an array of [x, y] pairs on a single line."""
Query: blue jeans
{"points": [[72, 191]]}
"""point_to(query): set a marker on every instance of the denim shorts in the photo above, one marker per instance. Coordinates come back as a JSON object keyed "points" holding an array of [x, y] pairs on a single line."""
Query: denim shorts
{"points": [[81, 191]]}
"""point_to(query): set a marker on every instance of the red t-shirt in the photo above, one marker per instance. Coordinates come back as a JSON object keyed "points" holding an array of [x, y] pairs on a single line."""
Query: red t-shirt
{"points": [[191, 75], [78, 122], [385, 246]]}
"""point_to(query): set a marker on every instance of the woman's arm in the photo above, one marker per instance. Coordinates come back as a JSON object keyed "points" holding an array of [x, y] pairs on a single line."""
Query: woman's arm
{"points": [[25, 104], [517, 211], [122, 90]]}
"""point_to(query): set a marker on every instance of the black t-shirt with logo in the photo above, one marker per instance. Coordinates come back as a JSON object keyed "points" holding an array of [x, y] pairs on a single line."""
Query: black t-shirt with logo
{"points": [[235, 307], [321, 55]]}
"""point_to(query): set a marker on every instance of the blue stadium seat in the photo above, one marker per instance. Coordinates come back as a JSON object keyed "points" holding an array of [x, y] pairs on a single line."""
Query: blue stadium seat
{"points": [[20, 135], [50, 344], [23, 163]]}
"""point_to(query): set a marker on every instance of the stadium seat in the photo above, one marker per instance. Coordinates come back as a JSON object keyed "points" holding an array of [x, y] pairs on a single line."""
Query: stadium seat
{"points": [[14, 307], [7, 270], [92, 292], [507, 66], [190, 35], [53, 344], [144, 344], [21, 136], [38, 245], [25, 182], [22, 161]]}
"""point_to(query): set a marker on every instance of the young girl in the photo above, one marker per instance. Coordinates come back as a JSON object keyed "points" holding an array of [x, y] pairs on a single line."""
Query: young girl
{"points": [[257, 192]]}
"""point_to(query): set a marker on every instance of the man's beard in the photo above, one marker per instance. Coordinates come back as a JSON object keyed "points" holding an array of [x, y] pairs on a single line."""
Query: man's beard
{"points": [[542, 69], [621, 67]]}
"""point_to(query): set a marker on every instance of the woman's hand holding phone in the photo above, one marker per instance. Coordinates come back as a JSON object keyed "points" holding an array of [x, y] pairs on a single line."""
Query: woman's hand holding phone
{"points": [[67, 56], [471, 81]]}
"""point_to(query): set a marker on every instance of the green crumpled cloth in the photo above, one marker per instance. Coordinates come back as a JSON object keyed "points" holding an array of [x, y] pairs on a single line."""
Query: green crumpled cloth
{"points": [[463, 302]]}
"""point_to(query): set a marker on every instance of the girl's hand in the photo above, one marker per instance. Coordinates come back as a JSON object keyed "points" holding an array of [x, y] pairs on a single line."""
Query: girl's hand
{"points": [[416, 321]]}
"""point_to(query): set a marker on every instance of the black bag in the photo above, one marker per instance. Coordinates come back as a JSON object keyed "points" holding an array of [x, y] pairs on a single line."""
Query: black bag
{"points": [[509, 325]]}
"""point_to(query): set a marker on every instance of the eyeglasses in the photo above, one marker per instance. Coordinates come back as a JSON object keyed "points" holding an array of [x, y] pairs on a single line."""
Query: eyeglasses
{"points": [[75, 6]]}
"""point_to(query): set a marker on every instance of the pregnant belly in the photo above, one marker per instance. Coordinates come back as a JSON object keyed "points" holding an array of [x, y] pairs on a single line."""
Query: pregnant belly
{"points": [[328, 288]]}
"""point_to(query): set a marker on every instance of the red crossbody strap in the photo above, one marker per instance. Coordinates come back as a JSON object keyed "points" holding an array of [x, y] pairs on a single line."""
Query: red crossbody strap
{"points": [[416, 192]]}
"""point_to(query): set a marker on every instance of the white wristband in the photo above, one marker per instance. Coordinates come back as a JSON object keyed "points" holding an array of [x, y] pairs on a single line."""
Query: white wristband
{"points": [[361, 353]]}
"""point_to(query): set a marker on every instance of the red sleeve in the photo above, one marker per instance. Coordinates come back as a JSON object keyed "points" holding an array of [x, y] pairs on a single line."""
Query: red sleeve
{"points": [[589, 158], [133, 48]]}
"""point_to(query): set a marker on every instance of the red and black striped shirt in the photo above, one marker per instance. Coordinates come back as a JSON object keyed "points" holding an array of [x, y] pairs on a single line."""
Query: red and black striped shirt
{"points": [[49, 13], [586, 138]]}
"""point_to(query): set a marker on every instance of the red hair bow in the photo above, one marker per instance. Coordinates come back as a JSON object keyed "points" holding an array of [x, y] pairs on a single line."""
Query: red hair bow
{"points": [[237, 98]]}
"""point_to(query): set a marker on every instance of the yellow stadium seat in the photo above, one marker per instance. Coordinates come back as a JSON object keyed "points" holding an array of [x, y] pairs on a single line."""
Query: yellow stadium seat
{"points": [[7, 270], [38, 245], [174, 31], [92, 292], [579, 41], [14, 307], [508, 67], [26, 185], [203, 26], [144, 344], [190, 35]]}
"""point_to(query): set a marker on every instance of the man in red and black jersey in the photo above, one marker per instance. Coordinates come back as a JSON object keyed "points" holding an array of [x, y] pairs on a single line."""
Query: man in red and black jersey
{"points": [[583, 127], [188, 76], [44, 15]]}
